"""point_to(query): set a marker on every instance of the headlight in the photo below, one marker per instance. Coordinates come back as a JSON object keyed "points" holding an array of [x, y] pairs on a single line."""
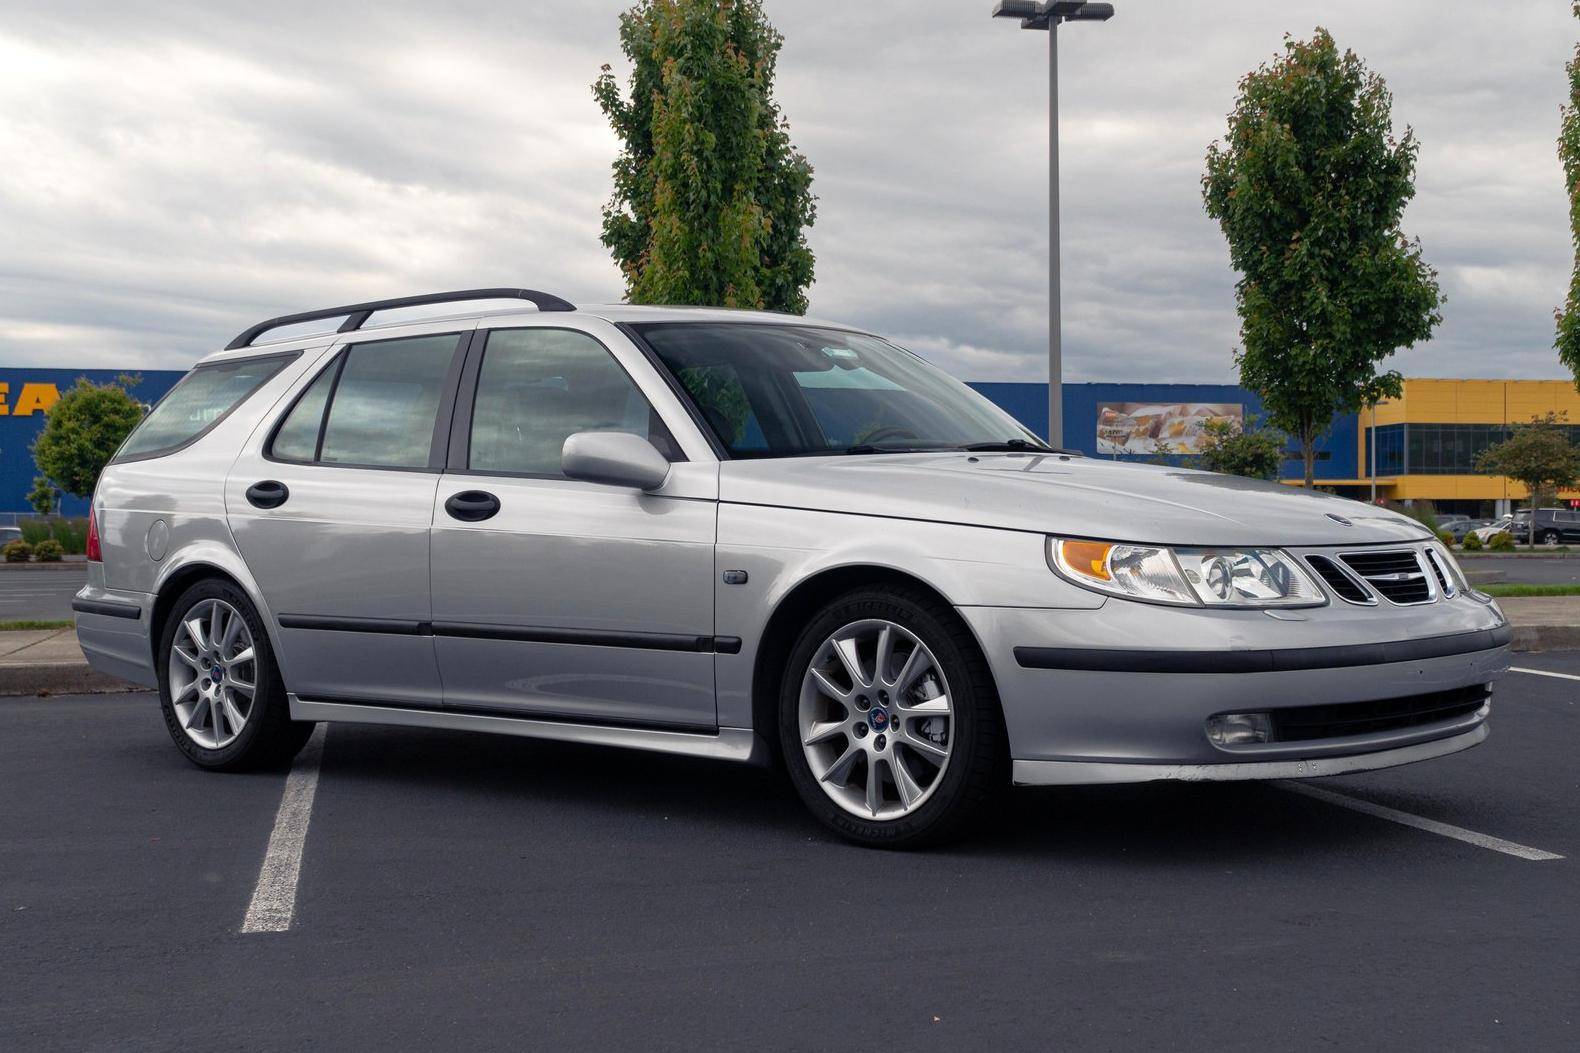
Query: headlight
{"points": [[1191, 577]]}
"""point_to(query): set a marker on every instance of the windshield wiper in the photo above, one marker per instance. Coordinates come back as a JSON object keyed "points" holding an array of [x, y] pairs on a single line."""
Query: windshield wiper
{"points": [[867, 447], [1004, 445]]}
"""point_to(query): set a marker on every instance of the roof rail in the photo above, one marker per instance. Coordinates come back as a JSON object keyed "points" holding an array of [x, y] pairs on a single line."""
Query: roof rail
{"points": [[357, 313]]}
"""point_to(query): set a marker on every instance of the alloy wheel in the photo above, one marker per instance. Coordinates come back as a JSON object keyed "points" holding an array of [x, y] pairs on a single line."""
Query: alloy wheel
{"points": [[876, 719], [213, 673]]}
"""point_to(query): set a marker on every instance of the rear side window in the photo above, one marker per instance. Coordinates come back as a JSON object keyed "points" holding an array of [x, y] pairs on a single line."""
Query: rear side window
{"points": [[538, 387], [374, 407], [200, 400]]}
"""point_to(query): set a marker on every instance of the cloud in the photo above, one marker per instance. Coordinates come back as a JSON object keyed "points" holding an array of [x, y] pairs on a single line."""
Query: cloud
{"points": [[177, 171]]}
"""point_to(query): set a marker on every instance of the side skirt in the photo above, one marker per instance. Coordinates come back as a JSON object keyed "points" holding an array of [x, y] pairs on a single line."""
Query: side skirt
{"points": [[730, 744]]}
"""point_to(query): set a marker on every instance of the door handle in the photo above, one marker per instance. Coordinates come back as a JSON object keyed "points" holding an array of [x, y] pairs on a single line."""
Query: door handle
{"points": [[472, 506], [270, 493]]}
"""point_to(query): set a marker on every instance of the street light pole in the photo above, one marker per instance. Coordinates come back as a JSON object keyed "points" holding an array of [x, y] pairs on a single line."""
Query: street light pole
{"points": [[1047, 16]]}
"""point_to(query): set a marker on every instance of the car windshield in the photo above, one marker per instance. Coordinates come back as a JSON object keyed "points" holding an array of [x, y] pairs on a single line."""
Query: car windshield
{"points": [[768, 390]]}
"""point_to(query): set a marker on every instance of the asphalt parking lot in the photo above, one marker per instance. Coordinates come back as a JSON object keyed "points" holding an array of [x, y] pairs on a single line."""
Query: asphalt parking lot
{"points": [[39, 592], [463, 891]]}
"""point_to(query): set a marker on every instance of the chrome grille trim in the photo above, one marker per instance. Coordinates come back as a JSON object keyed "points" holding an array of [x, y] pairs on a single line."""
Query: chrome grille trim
{"points": [[1398, 575], [1341, 581]]}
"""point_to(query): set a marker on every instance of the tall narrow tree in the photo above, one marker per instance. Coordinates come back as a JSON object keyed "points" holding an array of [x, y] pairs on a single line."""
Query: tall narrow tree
{"points": [[1309, 186], [711, 200], [1568, 341]]}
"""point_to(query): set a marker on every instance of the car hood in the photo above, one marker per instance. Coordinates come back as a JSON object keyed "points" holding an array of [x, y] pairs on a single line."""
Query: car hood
{"points": [[1070, 495]]}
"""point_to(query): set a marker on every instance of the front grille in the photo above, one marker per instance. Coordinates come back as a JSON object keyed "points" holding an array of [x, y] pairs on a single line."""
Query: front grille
{"points": [[1303, 723], [1341, 583], [1396, 575], [1444, 583]]}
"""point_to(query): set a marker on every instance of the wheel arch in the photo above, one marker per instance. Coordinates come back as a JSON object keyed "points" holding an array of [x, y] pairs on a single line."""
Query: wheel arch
{"points": [[183, 571], [791, 613]]}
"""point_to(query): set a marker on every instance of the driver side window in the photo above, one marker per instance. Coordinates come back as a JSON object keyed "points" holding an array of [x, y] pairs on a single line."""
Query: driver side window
{"points": [[538, 387]]}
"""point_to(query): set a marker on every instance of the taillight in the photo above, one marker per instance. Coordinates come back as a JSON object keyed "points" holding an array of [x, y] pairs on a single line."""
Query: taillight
{"points": [[94, 554]]}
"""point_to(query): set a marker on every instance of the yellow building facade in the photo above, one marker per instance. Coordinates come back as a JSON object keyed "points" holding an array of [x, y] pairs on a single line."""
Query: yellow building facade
{"points": [[1427, 440]]}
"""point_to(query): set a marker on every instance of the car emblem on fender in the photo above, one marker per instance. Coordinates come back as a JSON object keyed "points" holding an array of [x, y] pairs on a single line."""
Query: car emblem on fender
{"points": [[1340, 520]]}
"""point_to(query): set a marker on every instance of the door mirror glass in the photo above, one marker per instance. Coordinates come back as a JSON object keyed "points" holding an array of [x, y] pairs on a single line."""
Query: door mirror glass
{"points": [[616, 458]]}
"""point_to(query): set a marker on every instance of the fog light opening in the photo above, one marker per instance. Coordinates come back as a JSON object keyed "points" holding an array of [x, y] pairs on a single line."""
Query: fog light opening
{"points": [[1240, 729]]}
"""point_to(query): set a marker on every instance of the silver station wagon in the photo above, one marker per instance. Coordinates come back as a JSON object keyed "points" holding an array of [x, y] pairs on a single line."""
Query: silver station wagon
{"points": [[751, 537]]}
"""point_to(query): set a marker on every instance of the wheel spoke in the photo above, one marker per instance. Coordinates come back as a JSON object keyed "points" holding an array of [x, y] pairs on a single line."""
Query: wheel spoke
{"points": [[244, 686], [904, 782], [874, 785], [824, 731], [233, 716], [195, 632], [839, 771], [933, 707], [915, 664], [233, 629], [829, 688], [199, 707], [241, 657], [216, 624], [190, 688], [926, 747], [186, 656], [850, 658], [883, 654], [218, 713]]}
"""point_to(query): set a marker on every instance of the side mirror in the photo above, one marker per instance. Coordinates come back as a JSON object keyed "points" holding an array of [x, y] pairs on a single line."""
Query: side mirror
{"points": [[617, 458]]}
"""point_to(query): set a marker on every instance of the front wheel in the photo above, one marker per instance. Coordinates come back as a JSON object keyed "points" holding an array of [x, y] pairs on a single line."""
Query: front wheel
{"points": [[219, 687], [889, 721], [1550, 538]]}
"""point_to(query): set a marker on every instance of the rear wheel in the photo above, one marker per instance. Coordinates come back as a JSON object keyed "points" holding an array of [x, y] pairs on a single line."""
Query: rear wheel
{"points": [[1550, 538], [889, 721], [219, 687]]}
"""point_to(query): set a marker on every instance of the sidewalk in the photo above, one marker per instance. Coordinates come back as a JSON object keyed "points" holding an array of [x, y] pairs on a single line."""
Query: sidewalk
{"points": [[42, 662]]}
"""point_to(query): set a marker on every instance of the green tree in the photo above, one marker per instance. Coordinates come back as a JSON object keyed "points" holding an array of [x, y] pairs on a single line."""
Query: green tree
{"points": [[1568, 339], [81, 434], [43, 498], [1538, 455], [1226, 446], [711, 199], [1309, 186]]}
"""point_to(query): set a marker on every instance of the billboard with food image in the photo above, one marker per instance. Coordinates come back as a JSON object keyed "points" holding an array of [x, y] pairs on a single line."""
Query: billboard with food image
{"points": [[1144, 427]]}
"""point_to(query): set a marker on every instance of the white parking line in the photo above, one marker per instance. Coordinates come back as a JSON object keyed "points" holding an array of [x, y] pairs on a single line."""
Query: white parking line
{"points": [[274, 899], [1543, 672], [1432, 826]]}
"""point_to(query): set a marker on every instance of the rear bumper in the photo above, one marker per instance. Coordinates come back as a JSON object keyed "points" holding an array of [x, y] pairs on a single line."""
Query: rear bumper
{"points": [[1123, 694], [113, 632]]}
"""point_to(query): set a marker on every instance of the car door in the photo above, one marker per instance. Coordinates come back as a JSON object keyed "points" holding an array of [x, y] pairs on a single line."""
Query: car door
{"points": [[561, 599], [331, 507]]}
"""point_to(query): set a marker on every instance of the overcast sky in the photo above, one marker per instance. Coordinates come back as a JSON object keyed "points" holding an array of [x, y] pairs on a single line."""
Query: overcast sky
{"points": [[171, 172]]}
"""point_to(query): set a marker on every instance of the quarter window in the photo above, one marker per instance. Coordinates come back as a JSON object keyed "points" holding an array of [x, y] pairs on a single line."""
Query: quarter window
{"points": [[197, 403], [382, 402], [538, 387]]}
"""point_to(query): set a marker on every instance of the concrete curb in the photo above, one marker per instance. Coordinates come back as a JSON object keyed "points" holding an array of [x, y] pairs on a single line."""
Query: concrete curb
{"points": [[64, 564], [59, 678], [1546, 638]]}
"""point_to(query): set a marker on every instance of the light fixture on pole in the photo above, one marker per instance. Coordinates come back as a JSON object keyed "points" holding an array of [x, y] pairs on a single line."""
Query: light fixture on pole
{"points": [[1048, 16]]}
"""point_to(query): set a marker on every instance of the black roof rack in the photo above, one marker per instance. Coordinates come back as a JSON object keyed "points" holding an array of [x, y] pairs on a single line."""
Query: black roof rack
{"points": [[357, 313]]}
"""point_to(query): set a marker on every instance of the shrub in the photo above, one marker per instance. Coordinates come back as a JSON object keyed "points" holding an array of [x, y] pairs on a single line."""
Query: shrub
{"points": [[1446, 538], [34, 530], [72, 534], [1472, 543], [1502, 541], [17, 551], [49, 551]]}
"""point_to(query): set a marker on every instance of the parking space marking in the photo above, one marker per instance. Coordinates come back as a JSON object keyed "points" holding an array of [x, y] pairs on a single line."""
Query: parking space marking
{"points": [[274, 899], [1432, 826], [1543, 672]]}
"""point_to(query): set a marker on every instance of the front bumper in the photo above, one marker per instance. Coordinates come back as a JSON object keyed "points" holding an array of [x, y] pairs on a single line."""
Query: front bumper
{"points": [[1123, 693]]}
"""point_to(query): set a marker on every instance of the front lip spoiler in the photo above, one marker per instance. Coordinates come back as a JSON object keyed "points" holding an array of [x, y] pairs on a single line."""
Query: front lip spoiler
{"points": [[1085, 773], [1273, 660]]}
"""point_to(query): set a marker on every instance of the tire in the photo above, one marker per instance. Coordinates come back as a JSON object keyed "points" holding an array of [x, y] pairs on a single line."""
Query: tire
{"points": [[1550, 538], [939, 798], [192, 685]]}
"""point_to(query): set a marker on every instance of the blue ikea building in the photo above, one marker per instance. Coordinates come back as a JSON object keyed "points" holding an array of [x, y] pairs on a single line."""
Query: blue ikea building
{"points": [[1125, 421]]}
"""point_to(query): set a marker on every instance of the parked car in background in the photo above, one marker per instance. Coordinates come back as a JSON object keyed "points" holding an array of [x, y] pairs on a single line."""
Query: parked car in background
{"points": [[1459, 528], [9, 534], [1553, 526], [1446, 521], [751, 537], [1493, 528]]}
